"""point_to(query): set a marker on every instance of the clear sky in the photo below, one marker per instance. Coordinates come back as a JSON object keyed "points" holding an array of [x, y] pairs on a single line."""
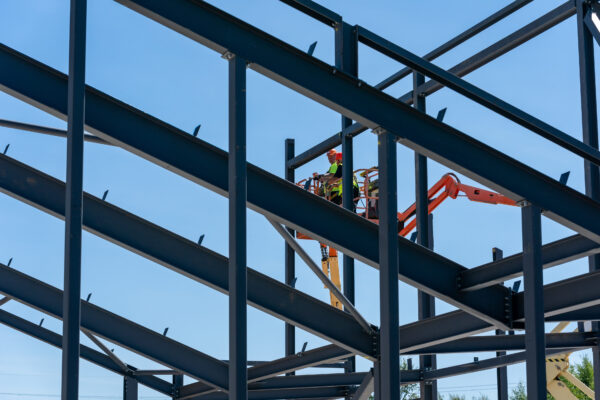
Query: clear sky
{"points": [[185, 84]]}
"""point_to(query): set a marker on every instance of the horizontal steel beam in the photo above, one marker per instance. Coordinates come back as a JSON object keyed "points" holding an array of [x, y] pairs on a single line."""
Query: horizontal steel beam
{"points": [[474, 62], [114, 328], [565, 296], [85, 352], [184, 256], [274, 197], [309, 358], [478, 95], [315, 11], [47, 131], [584, 314], [482, 365], [277, 394], [555, 253], [457, 40], [511, 342]]}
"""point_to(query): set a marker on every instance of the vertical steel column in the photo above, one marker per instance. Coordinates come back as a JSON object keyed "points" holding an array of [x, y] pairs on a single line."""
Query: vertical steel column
{"points": [[533, 279], [177, 384], [73, 202], [589, 117], [290, 257], [501, 372], [346, 59], [389, 346], [426, 303], [130, 388], [238, 375]]}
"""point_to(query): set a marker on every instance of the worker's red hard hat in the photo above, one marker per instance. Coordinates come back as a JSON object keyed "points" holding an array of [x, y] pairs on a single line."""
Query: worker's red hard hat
{"points": [[331, 152], [338, 156]]}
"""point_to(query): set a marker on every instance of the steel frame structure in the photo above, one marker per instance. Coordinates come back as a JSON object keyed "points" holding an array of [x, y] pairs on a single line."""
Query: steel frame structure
{"points": [[483, 301]]}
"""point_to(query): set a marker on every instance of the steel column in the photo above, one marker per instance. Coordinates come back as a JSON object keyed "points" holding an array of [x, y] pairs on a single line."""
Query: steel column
{"points": [[501, 372], [346, 59], [177, 385], [238, 357], [388, 265], [290, 259], [426, 303], [73, 201], [589, 117], [533, 277], [130, 388]]}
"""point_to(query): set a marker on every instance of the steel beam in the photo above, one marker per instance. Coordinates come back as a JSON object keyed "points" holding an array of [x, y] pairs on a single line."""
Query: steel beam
{"points": [[315, 10], [286, 203], [287, 393], [478, 95], [185, 257], [366, 387], [388, 265], [177, 385], [87, 353], [346, 59], [474, 62], [426, 303], [501, 372], [114, 328], [554, 253], [482, 365], [290, 259], [130, 388], [533, 279], [310, 358], [457, 40], [509, 343], [309, 76], [47, 131], [238, 330], [589, 117], [73, 200]]}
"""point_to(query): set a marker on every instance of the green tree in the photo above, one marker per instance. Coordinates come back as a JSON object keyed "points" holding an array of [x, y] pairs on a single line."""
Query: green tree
{"points": [[519, 392], [481, 397], [456, 397]]}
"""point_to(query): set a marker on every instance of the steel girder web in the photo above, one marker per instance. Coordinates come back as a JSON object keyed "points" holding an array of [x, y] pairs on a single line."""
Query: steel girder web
{"points": [[554, 253], [112, 327], [568, 300], [185, 257], [200, 162], [89, 354]]}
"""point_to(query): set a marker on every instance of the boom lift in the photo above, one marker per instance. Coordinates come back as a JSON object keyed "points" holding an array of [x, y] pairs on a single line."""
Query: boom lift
{"points": [[366, 205], [557, 366]]}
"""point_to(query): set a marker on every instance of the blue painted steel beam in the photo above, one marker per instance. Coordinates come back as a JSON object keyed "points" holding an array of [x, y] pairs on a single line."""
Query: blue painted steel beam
{"points": [[287, 393], [130, 335], [73, 200], [238, 296], [186, 257], [87, 353], [288, 204]]}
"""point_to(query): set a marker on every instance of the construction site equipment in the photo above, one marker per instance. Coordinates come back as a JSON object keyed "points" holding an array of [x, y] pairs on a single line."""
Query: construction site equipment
{"points": [[367, 201], [557, 366]]}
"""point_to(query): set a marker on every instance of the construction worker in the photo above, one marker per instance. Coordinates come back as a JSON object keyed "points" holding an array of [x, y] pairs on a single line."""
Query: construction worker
{"points": [[332, 174]]}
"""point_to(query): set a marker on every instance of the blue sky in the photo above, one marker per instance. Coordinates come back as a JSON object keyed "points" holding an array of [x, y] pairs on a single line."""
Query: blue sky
{"points": [[185, 84]]}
